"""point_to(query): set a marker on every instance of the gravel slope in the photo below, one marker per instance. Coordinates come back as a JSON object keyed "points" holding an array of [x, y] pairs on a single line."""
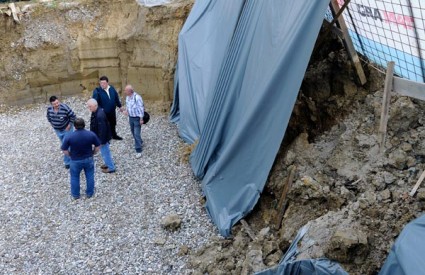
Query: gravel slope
{"points": [[118, 230]]}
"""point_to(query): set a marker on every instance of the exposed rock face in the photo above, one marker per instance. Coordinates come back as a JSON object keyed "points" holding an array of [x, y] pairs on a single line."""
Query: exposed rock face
{"points": [[63, 48]]}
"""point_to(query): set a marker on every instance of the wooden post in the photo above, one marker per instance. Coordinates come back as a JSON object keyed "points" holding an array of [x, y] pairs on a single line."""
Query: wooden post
{"points": [[338, 11], [281, 207], [248, 230], [421, 178], [348, 42], [330, 26], [14, 11], [386, 105]]}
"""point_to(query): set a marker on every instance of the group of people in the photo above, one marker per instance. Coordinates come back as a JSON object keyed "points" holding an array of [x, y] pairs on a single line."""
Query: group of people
{"points": [[80, 145]]}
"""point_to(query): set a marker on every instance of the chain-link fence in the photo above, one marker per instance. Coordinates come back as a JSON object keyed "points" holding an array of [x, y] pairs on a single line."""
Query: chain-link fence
{"points": [[389, 30]]}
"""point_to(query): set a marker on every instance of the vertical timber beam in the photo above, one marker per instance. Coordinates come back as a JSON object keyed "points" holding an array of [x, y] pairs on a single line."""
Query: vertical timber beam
{"points": [[386, 105], [281, 207], [418, 43], [349, 43]]}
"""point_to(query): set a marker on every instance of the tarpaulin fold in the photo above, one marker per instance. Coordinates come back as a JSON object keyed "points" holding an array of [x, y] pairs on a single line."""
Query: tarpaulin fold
{"points": [[236, 91], [407, 254], [290, 266], [202, 45]]}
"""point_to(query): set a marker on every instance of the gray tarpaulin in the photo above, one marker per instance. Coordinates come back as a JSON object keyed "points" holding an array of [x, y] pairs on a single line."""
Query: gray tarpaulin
{"points": [[240, 67], [289, 266], [203, 42], [407, 255]]}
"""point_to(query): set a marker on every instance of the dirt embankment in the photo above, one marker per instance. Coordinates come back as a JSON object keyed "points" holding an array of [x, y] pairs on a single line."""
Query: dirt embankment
{"points": [[354, 200], [62, 47]]}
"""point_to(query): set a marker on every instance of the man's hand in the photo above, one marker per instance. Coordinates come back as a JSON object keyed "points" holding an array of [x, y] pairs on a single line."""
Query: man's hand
{"points": [[66, 152], [68, 127], [141, 122]]}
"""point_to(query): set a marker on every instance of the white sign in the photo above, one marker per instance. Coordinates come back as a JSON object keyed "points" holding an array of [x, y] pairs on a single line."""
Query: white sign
{"points": [[393, 31]]}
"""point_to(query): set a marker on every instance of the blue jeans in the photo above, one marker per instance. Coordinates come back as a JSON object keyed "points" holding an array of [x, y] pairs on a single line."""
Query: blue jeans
{"points": [[61, 135], [136, 130], [76, 166], [107, 156]]}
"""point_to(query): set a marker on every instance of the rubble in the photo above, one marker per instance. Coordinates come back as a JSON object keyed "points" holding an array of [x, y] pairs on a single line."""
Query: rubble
{"points": [[354, 200], [171, 222]]}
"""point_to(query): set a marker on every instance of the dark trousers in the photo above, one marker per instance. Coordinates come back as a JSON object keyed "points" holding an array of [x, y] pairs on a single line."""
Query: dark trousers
{"points": [[112, 119]]}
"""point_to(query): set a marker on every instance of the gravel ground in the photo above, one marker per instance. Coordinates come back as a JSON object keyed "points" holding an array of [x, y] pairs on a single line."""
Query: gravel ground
{"points": [[118, 230]]}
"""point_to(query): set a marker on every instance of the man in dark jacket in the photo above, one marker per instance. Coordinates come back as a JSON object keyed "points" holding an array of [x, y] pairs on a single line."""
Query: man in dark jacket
{"points": [[108, 99], [100, 126]]}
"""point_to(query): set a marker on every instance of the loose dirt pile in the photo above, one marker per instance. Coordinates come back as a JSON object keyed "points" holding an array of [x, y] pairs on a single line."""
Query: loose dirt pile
{"points": [[354, 200]]}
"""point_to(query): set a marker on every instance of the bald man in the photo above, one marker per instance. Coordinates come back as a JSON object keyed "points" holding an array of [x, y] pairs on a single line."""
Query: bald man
{"points": [[100, 126], [135, 110]]}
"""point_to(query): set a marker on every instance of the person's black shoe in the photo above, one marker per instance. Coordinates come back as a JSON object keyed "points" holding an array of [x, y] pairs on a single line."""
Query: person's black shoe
{"points": [[117, 137], [107, 171], [67, 166]]}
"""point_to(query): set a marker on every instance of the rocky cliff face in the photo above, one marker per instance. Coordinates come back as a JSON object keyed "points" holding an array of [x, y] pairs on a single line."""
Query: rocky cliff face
{"points": [[63, 48]]}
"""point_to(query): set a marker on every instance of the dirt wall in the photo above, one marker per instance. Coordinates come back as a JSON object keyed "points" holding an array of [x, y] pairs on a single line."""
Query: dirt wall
{"points": [[63, 48]]}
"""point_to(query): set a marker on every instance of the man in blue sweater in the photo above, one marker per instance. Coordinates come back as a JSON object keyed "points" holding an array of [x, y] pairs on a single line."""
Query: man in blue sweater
{"points": [[100, 126], [83, 145], [108, 99], [61, 117]]}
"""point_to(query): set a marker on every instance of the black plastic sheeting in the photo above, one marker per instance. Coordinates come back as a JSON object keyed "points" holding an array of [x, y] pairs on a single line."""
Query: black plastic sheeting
{"points": [[407, 255], [240, 67], [289, 266]]}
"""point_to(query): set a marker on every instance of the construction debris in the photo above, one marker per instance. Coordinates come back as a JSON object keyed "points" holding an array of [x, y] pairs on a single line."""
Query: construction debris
{"points": [[12, 10]]}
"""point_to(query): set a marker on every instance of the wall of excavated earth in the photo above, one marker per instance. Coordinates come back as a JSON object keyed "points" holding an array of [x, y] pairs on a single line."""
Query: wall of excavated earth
{"points": [[62, 48]]}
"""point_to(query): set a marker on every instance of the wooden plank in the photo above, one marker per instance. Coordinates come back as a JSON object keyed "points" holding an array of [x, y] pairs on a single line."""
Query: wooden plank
{"points": [[349, 44], [339, 11], [386, 105], [248, 230], [281, 207], [329, 26], [409, 88], [12, 7], [415, 188]]}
